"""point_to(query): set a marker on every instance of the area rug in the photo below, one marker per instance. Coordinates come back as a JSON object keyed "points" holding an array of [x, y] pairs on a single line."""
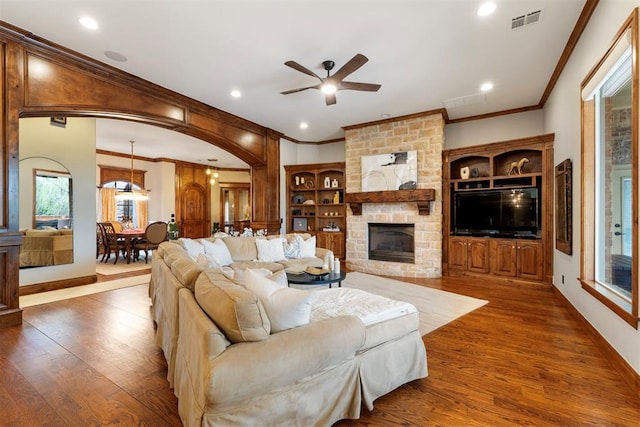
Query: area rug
{"points": [[110, 268], [79, 291], [436, 307]]}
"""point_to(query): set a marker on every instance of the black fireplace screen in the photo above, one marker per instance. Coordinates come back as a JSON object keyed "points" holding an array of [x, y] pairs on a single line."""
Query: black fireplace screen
{"points": [[392, 242]]}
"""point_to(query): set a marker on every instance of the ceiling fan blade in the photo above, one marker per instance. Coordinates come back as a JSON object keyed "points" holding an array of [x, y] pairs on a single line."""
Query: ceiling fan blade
{"points": [[287, 92], [302, 69], [354, 63], [367, 87], [330, 98]]}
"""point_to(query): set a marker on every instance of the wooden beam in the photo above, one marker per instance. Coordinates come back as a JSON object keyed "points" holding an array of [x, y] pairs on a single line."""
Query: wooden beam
{"points": [[422, 197]]}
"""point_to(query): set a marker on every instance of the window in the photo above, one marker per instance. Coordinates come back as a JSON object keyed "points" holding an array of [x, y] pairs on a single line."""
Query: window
{"points": [[609, 263]]}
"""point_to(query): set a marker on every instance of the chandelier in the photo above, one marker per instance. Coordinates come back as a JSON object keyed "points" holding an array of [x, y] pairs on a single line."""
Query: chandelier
{"points": [[129, 193], [213, 174]]}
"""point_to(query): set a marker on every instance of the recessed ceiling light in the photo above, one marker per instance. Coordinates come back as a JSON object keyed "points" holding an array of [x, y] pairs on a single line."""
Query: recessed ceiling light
{"points": [[236, 93], [486, 86], [88, 22], [304, 125], [385, 115], [116, 56], [486, 8]]}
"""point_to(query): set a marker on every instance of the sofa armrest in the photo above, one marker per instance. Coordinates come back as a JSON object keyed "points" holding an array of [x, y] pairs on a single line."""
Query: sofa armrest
{"points": [[199, 341], [256, 368], [326, 255]]}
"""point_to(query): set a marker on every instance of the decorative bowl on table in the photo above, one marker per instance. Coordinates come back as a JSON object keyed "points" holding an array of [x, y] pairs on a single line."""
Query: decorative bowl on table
{"points": [[317, 272]]}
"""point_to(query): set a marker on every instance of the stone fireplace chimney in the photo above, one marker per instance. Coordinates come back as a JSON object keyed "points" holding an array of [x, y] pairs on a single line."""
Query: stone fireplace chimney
{"points": [[425, 134]]}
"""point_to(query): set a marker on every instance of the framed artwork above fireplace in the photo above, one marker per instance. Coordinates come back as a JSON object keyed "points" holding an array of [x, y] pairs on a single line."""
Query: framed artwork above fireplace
{"points": [[392, 171]]}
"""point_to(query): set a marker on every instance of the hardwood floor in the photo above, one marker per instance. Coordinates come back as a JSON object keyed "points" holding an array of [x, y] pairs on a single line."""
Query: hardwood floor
{"points": [[522, 359]]}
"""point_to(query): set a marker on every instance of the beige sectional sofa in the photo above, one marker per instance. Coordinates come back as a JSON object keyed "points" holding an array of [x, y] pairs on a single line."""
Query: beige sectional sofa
{"points": [[227, 368]]}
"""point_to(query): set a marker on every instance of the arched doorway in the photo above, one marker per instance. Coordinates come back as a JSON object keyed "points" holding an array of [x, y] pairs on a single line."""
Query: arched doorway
{"points": [[41, 79]]}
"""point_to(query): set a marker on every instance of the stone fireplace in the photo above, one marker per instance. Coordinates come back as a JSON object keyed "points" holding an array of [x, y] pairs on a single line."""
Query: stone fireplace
{"points": [[392, 242], [425, 134]]}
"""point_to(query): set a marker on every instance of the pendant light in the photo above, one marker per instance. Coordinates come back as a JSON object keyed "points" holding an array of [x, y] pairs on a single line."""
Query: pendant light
{"points": [[213, 173], [130, 193]]}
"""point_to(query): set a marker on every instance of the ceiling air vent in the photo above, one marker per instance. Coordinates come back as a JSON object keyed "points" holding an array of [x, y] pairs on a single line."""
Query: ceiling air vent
{"points": [[529, 18]]}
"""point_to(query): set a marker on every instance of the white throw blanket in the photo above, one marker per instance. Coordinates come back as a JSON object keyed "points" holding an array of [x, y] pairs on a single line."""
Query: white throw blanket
{"points": [[368, 307]]}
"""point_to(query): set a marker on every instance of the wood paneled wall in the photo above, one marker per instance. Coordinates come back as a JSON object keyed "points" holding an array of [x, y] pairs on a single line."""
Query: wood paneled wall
{"points": [[41, 79]]}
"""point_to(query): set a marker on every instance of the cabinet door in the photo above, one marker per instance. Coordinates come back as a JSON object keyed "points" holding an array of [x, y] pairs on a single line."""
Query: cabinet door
{"points": [[333, 241], [530, 263], [478, 255], [503, 257], [458, 253]]}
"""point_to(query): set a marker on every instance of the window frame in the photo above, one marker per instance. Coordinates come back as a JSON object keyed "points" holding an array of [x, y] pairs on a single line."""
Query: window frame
{"points": [[607, 296]]}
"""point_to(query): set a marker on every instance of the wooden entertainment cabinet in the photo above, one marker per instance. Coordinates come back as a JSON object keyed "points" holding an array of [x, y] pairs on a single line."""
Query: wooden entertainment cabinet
{"points": [[316, 203], [497, 166]]}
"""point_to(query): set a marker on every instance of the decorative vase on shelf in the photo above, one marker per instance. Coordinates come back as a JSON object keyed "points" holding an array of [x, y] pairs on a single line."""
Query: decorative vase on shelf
{"points": [[464, 172], [327, 182]]}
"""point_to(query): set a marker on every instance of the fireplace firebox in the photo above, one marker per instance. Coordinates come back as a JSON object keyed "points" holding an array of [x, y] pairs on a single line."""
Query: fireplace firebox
{"points": [[392, 242]]}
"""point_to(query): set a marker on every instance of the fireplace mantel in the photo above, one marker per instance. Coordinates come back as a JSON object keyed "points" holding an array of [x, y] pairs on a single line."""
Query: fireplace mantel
{"points": [[421, 197]]}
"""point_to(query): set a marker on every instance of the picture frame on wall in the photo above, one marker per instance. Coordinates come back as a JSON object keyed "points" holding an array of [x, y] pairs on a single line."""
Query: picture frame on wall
{"points": [[300, 224], [392, 171], [59, 121]]}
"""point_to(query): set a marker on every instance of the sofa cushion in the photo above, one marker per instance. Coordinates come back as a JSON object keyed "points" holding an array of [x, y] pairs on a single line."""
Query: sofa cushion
{"points": [[237, 311], [218, 251], [172, 255], [239, 276], [270, 250], [186, 271], [286, 307], [242, 248], [243, 265], [300, 264]]}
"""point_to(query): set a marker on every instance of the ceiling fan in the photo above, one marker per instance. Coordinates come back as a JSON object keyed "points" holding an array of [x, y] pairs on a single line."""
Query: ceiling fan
{"points": [[330, 84]]}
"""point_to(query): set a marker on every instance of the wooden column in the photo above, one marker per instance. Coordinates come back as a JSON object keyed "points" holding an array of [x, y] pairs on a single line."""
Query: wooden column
{"points": [[265, 187], [10, 240]]}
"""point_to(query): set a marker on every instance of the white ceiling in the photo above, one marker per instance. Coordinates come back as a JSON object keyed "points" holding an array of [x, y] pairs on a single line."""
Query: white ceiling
{"points": [[424, 54]]}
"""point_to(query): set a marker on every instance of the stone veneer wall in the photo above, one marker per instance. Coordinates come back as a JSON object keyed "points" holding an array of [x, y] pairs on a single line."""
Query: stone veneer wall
{"points": [[424, 134]]}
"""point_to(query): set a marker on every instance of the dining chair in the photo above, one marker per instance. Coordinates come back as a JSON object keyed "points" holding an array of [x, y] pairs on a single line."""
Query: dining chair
{"points": [[101, 244], [112, 243], [154, 234]]}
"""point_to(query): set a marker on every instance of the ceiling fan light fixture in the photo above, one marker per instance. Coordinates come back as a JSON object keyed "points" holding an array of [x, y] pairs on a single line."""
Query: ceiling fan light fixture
{"points": [[328, 88]]}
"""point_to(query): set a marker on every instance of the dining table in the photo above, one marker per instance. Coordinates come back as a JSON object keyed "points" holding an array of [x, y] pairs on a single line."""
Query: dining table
{"points": [[129, 235]]}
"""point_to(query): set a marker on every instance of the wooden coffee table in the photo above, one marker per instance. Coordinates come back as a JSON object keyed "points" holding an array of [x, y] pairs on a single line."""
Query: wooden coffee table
{"points": [[308, 279]]}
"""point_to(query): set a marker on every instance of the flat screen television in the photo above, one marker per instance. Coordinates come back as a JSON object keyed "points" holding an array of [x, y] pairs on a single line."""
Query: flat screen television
{"points": [[501, 212]]}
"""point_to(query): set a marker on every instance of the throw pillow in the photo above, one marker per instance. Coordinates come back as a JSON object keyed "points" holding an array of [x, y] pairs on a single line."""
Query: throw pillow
{"points": [[270, 250], [192, 247], [218, 251], [237, 311], [286, 307], [280, 277], [291, 249], [308, 247]]}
